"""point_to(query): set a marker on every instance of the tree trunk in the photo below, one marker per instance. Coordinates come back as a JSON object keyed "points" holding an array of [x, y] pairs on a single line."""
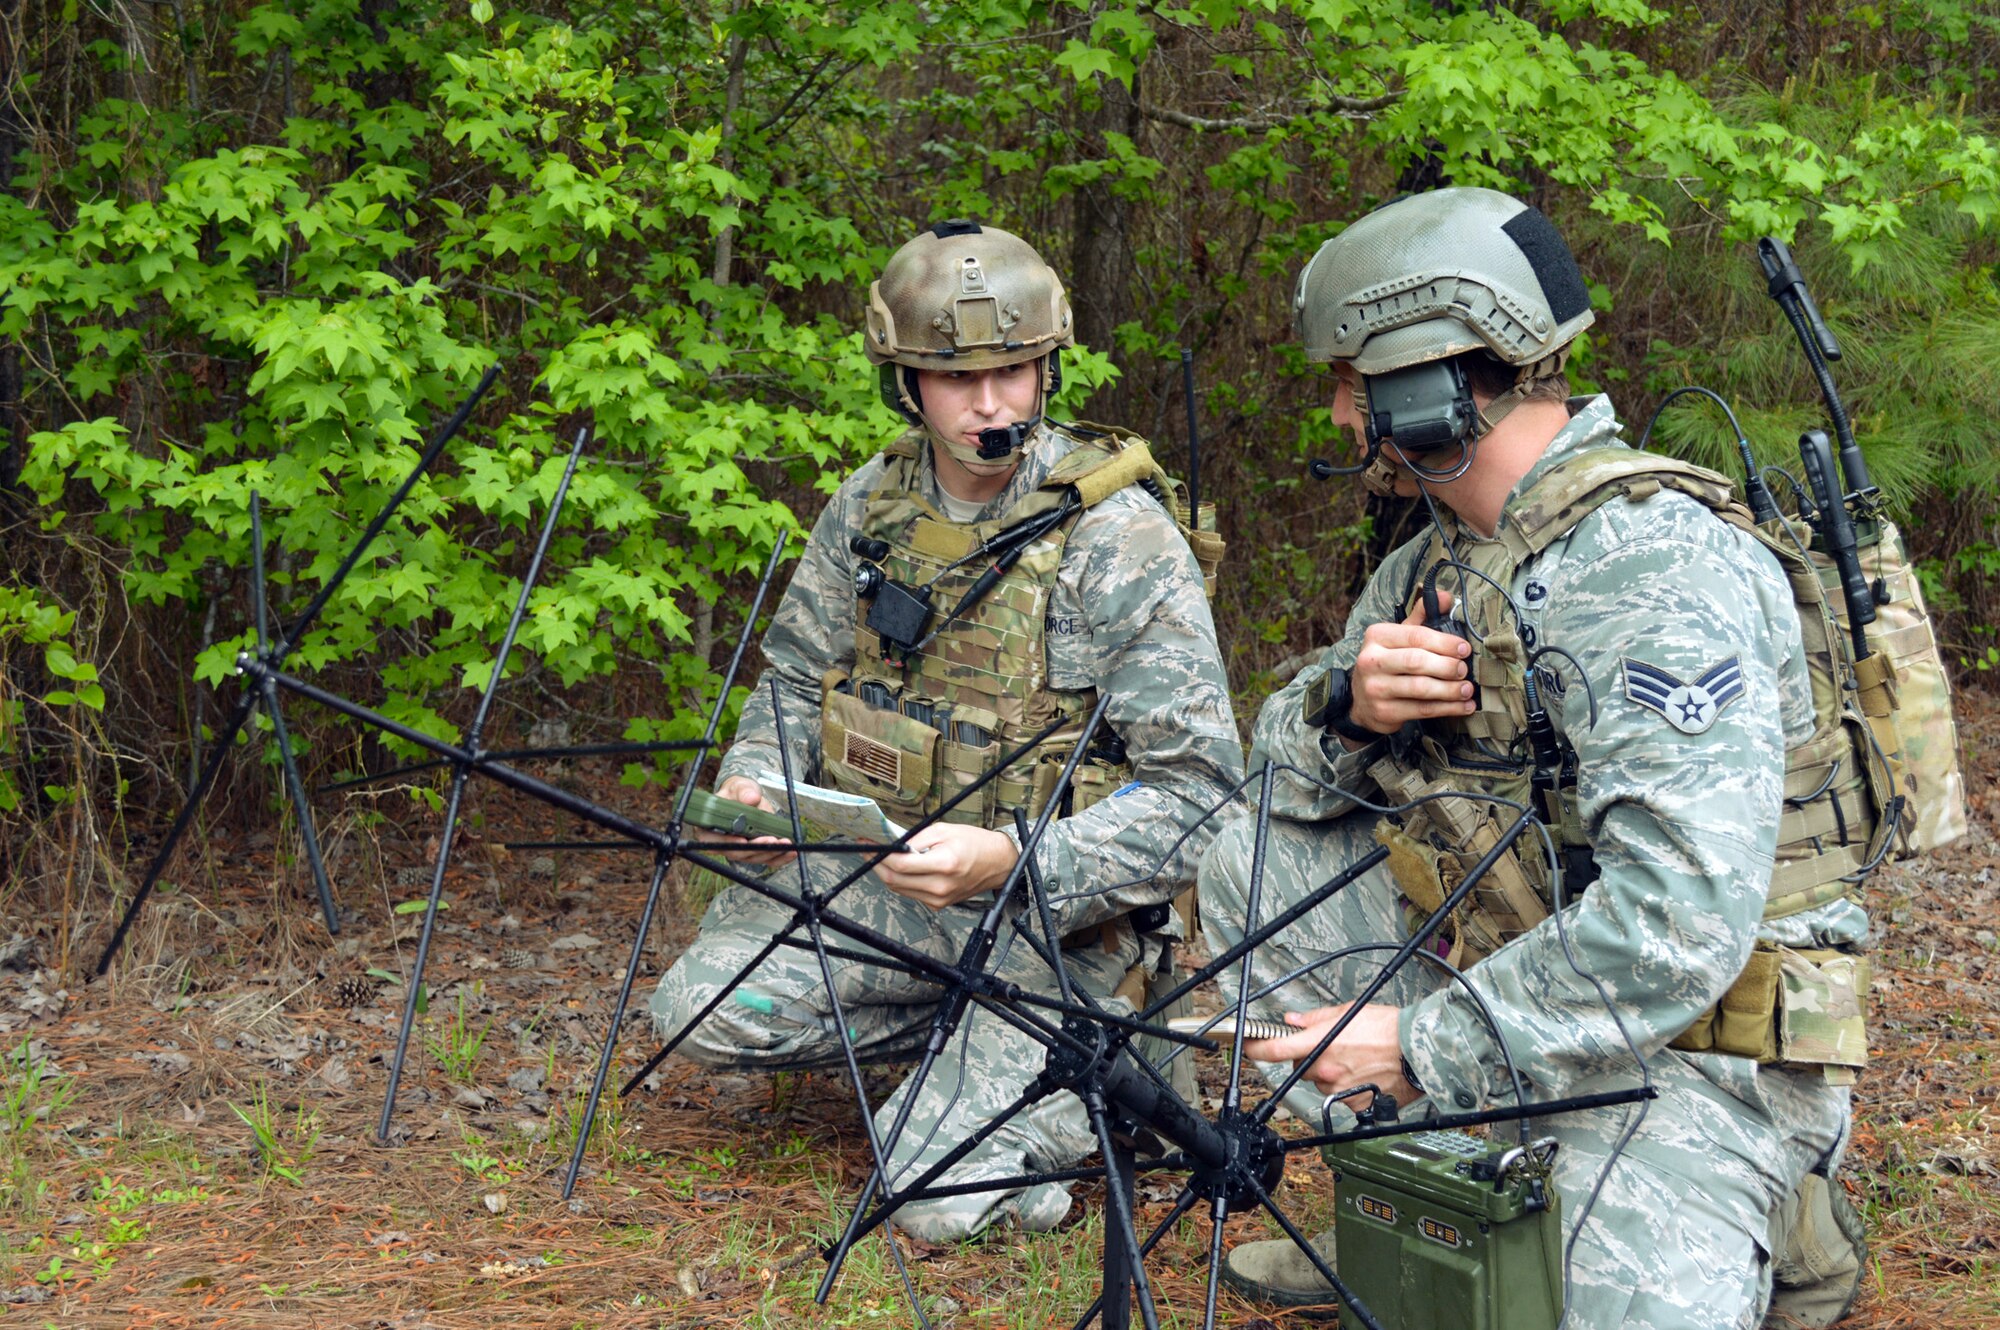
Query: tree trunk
{"points": [[1100, 267], [13, 137], [720, 271]]}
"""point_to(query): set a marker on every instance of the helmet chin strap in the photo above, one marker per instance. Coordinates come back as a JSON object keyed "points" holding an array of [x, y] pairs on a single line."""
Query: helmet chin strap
{"points": [[1525, 382], [996, 443]]}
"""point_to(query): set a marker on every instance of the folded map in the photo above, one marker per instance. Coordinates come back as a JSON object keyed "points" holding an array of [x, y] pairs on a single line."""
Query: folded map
{"points": [[831, 814]]}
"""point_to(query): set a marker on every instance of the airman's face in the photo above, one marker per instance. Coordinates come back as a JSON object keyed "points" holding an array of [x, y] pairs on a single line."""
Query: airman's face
{"points": [[960, 403]]}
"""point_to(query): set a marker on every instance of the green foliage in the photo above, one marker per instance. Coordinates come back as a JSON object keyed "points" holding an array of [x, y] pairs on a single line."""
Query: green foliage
{"points": [[275, 260], [457, 1045], [30, 627], [31, 1093], [1912, 305]]}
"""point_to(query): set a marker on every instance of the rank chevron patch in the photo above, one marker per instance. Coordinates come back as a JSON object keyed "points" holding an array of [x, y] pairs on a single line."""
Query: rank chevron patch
{"points": [[1688, 707]]}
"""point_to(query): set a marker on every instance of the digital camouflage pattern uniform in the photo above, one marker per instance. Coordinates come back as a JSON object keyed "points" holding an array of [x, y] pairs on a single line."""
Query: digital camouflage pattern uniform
{"points": [[1128, 617], [1683, 827]]}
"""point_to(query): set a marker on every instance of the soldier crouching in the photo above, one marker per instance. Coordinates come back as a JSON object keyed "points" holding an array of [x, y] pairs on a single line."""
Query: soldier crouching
{"points": [[1606, 637], [1102, 597]]}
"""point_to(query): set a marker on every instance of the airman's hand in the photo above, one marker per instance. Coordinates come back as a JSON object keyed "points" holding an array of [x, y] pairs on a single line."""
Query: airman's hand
{"points": [[948, 863], [1368, 1052], [1408, 672]]}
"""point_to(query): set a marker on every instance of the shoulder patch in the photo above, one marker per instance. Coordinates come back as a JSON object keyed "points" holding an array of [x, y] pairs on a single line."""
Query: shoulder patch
{"points": [[1690, 707]]}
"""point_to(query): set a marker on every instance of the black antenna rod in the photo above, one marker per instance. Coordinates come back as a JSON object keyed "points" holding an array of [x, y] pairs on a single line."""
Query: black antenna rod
{"points": [[1836, 534], [271, 655], [1194, 441], [1787, 286], [413, 988]]}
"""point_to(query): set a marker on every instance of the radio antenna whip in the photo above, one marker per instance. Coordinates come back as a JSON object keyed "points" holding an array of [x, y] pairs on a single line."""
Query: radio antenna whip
{"points": [[1194, 440], [1787, 286]]}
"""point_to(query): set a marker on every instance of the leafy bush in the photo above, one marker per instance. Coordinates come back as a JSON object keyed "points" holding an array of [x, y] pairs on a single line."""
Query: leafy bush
{"points": [[272, 252]]}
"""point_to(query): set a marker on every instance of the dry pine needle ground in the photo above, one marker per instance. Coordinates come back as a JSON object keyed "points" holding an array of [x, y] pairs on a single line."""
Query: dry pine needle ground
{"points": [[192, 1144]]}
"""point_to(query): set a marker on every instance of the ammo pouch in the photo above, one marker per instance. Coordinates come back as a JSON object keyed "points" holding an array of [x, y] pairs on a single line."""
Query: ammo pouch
{"points": [[1791, 1008], [913, 768]]}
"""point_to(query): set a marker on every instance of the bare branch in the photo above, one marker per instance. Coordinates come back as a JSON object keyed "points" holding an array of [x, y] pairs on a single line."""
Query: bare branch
{"points": [[1258, 124]]}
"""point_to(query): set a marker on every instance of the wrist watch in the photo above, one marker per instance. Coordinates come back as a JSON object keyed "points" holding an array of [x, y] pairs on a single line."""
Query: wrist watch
{"points": [[1328, 705]]}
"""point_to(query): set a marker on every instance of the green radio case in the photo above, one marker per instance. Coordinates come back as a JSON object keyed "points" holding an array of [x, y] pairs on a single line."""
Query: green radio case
{"points": [[1441, 1230]]}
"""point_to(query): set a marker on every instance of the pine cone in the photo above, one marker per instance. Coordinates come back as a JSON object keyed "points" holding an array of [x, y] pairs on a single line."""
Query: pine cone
{"points": [[353, 990], [516, 959]]}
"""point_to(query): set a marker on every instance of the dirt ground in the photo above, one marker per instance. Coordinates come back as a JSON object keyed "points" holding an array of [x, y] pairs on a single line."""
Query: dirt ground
{"points": [[191, 1142]]}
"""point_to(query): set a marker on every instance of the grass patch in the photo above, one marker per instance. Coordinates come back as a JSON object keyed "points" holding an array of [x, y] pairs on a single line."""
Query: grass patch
{"points": [[284, 1146]]}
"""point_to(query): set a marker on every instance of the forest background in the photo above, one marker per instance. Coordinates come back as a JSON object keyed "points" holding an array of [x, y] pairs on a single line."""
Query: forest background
{"points": [[269, 245]]}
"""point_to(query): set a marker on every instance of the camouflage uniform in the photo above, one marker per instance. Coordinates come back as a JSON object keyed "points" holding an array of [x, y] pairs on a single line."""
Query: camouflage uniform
{"points": [[1683, 827], [1127, 617]]}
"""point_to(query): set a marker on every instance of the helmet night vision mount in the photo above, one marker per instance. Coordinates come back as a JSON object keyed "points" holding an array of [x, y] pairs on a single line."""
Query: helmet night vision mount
{"points": [[1229, 1160]]}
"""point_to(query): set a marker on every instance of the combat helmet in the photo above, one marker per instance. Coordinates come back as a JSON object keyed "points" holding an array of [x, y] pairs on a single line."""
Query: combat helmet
{"points": [[964, 296], [1432, 275], [1422, 280]]}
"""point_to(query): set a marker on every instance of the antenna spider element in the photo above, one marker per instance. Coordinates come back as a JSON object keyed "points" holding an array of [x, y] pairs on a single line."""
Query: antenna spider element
{"points": [[270, 655], [1232, 1160], [414, 987]]}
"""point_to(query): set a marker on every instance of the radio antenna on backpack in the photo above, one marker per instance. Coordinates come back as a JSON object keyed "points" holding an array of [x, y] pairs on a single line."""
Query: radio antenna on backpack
{"points": [[1787, 286], [1194, 440]]}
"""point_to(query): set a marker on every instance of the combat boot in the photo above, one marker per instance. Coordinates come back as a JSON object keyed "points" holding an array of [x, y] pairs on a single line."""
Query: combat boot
{"points": [[1277, 1274], [1819, 1254]]}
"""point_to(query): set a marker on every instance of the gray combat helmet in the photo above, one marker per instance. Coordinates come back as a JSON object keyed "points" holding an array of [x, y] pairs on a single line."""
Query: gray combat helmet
{"points": [[1432, 275]]}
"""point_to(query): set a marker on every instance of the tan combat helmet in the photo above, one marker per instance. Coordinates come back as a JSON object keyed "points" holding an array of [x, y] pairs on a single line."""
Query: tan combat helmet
{"points": [[964, 296], [1432, 275]]}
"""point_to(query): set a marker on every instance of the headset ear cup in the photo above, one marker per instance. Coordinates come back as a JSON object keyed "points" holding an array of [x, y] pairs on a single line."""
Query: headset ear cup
{"points": [[1051, 375], [898, 385]]}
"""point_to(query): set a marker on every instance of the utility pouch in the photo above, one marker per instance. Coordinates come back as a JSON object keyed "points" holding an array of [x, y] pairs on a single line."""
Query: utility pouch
{"points": [[890, 757], [1822, 1013], [1093, 780], [1508, 900], [1798, 1008], [1202, 538], [1927, 734], [1414, 865], [1743, 1023]]}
